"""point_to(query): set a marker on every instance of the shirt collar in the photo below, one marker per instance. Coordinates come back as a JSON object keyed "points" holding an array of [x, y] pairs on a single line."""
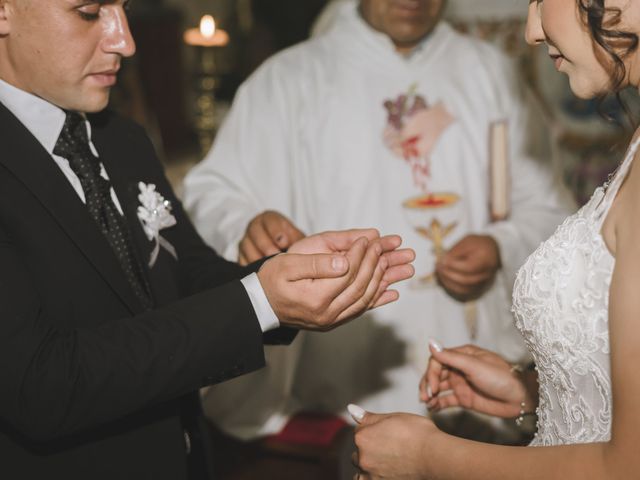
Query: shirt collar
{"points": [[43, 119], [348, 20]]}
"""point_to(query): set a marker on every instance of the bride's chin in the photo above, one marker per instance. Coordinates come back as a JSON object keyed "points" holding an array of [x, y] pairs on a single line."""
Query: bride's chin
{"points": [[588, 89], [584, 92]]}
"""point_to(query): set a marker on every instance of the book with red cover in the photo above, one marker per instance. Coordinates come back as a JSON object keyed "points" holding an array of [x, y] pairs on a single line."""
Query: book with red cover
{"points": [[310, 429]]}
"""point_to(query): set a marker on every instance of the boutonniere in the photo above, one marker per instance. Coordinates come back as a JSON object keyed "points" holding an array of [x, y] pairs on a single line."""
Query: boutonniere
{"points": [[154, 213]]}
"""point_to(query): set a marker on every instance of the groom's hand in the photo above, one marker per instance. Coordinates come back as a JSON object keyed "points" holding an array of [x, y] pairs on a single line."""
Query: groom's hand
{"points": [[330, 278]]}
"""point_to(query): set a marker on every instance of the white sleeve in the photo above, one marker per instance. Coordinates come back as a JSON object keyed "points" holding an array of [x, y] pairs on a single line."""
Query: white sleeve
{"points": [[266, 316], [539, 201], [239, 177]]}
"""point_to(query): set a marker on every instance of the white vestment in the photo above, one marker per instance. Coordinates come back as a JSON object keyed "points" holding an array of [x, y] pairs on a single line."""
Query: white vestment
{"points": [[342, 132]]}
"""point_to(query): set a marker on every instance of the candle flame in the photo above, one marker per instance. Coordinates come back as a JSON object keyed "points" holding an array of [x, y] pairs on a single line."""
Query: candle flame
{"points": [[207, 26]]}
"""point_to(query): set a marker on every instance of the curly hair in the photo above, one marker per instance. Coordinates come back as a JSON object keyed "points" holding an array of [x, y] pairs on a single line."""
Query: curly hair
{"points": [[616, 44]]}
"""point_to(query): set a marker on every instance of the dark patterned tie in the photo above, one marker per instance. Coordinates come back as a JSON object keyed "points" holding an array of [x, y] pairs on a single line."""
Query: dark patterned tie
{"points": [[73, 144]]}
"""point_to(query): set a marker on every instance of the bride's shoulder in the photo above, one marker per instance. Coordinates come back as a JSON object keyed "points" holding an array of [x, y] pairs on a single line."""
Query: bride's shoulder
{"points": [[632, 174], [625, 210]]}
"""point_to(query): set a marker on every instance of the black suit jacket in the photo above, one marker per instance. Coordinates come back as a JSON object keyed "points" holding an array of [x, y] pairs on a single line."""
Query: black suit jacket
{"points": [[93, 387]]}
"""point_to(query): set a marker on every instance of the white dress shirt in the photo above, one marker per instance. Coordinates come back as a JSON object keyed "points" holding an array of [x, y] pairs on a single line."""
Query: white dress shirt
{"points": [[45, 121]]}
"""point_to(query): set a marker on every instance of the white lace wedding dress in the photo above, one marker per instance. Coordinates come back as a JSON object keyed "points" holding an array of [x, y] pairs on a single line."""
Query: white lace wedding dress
{"points": [[560, 302]]}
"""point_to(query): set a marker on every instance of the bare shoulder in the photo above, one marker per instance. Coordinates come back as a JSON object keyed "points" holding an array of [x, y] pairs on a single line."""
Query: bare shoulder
{"points": [[624, 218]]}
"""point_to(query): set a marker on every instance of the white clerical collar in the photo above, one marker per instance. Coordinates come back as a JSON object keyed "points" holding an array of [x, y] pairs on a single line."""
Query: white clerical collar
{"points": [[43, 119], [384, 38], [349, 14]]}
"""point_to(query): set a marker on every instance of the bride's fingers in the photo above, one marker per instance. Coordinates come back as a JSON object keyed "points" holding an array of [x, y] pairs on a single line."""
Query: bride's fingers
{"points": [[448, 400], [445, 385], [432, 375], [462, 362], [423, 388], [427, 392], [468, 349]]}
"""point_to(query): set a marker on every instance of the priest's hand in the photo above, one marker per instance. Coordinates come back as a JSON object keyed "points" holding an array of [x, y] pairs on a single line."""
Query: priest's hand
{"points": [[267, 234], [468, 269], [476, 379], [396, 446], [327, 279]]}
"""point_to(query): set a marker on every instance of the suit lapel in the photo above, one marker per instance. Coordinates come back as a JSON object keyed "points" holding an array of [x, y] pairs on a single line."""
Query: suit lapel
{"points": [[116, 156], [23, 155]]}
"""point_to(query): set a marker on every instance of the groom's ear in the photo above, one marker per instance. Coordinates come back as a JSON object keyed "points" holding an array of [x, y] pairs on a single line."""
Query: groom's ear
{"points": [[5, 15]]}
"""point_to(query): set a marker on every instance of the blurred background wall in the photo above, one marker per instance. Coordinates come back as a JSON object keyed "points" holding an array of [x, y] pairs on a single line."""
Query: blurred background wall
{"points": [[159, 87]]}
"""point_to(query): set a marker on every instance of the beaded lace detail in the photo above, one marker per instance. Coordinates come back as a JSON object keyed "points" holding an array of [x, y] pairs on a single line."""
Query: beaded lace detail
{"points": [[560, 302]]}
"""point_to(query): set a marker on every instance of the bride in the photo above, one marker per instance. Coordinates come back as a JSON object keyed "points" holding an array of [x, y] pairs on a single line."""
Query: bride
{"points": [[576, 301]]}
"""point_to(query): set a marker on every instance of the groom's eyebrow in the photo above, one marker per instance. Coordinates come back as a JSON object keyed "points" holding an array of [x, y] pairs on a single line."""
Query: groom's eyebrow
{"points": [[125, 3]]}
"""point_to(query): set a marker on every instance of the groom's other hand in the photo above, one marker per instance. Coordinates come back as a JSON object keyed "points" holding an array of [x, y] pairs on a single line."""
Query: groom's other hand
{"points": [[330, 278], [267, 234]]}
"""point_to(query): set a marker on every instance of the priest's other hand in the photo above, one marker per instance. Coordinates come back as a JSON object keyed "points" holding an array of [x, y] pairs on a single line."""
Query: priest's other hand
{"points": [[267, 234], [469, 267], [327, 279]]}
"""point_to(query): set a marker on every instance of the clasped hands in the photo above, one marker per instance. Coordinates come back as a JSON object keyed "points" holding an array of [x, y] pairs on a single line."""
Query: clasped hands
{"points": [[403, 446], [327, 279], [468, 268]]}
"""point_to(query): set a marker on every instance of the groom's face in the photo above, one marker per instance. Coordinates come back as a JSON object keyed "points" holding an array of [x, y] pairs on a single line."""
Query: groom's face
{"points": [[65, 51]]}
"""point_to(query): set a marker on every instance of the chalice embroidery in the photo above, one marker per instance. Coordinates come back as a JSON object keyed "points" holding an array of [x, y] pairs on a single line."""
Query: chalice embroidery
{"points": [[432, 228], [436, 233], [429, 212]]}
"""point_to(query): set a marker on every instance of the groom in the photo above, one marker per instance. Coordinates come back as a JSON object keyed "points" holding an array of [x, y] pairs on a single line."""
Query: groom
{"points": [[113, 312]]}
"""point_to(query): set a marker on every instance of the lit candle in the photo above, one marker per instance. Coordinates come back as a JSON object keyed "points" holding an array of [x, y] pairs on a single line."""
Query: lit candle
{"points": [[499, 170], [207, 35]]}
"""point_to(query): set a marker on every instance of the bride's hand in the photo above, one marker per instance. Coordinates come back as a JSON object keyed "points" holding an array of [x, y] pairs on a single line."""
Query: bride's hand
{"points": [[393, 446], [476, 379]]}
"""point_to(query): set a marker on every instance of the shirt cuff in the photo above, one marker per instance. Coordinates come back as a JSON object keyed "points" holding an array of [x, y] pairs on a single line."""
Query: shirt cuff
{"points": [[266, 316]]}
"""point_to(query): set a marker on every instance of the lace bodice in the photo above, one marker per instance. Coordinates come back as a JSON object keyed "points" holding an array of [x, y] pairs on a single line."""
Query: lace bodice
{"points": [[560, 302]]}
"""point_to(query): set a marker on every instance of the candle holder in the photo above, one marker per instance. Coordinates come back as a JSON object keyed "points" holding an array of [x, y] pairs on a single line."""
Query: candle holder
{"points": [[206, 83], [206, 39]]}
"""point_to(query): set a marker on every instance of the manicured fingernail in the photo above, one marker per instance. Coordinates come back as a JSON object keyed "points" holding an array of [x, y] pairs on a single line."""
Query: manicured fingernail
{"points": [[436, 345], [339, 264], [356, 412], [429, 392]]}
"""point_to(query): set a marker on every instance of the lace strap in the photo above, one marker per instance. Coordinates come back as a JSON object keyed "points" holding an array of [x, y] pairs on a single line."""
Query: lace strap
{"points": [[612, 186]]}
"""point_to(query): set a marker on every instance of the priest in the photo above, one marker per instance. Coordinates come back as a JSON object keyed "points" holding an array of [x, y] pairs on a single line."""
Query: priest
{"points": [[383, 119]]}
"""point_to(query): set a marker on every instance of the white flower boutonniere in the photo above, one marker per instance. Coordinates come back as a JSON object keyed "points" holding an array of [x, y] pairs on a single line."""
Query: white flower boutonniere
{"points": [[154, 213]]}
